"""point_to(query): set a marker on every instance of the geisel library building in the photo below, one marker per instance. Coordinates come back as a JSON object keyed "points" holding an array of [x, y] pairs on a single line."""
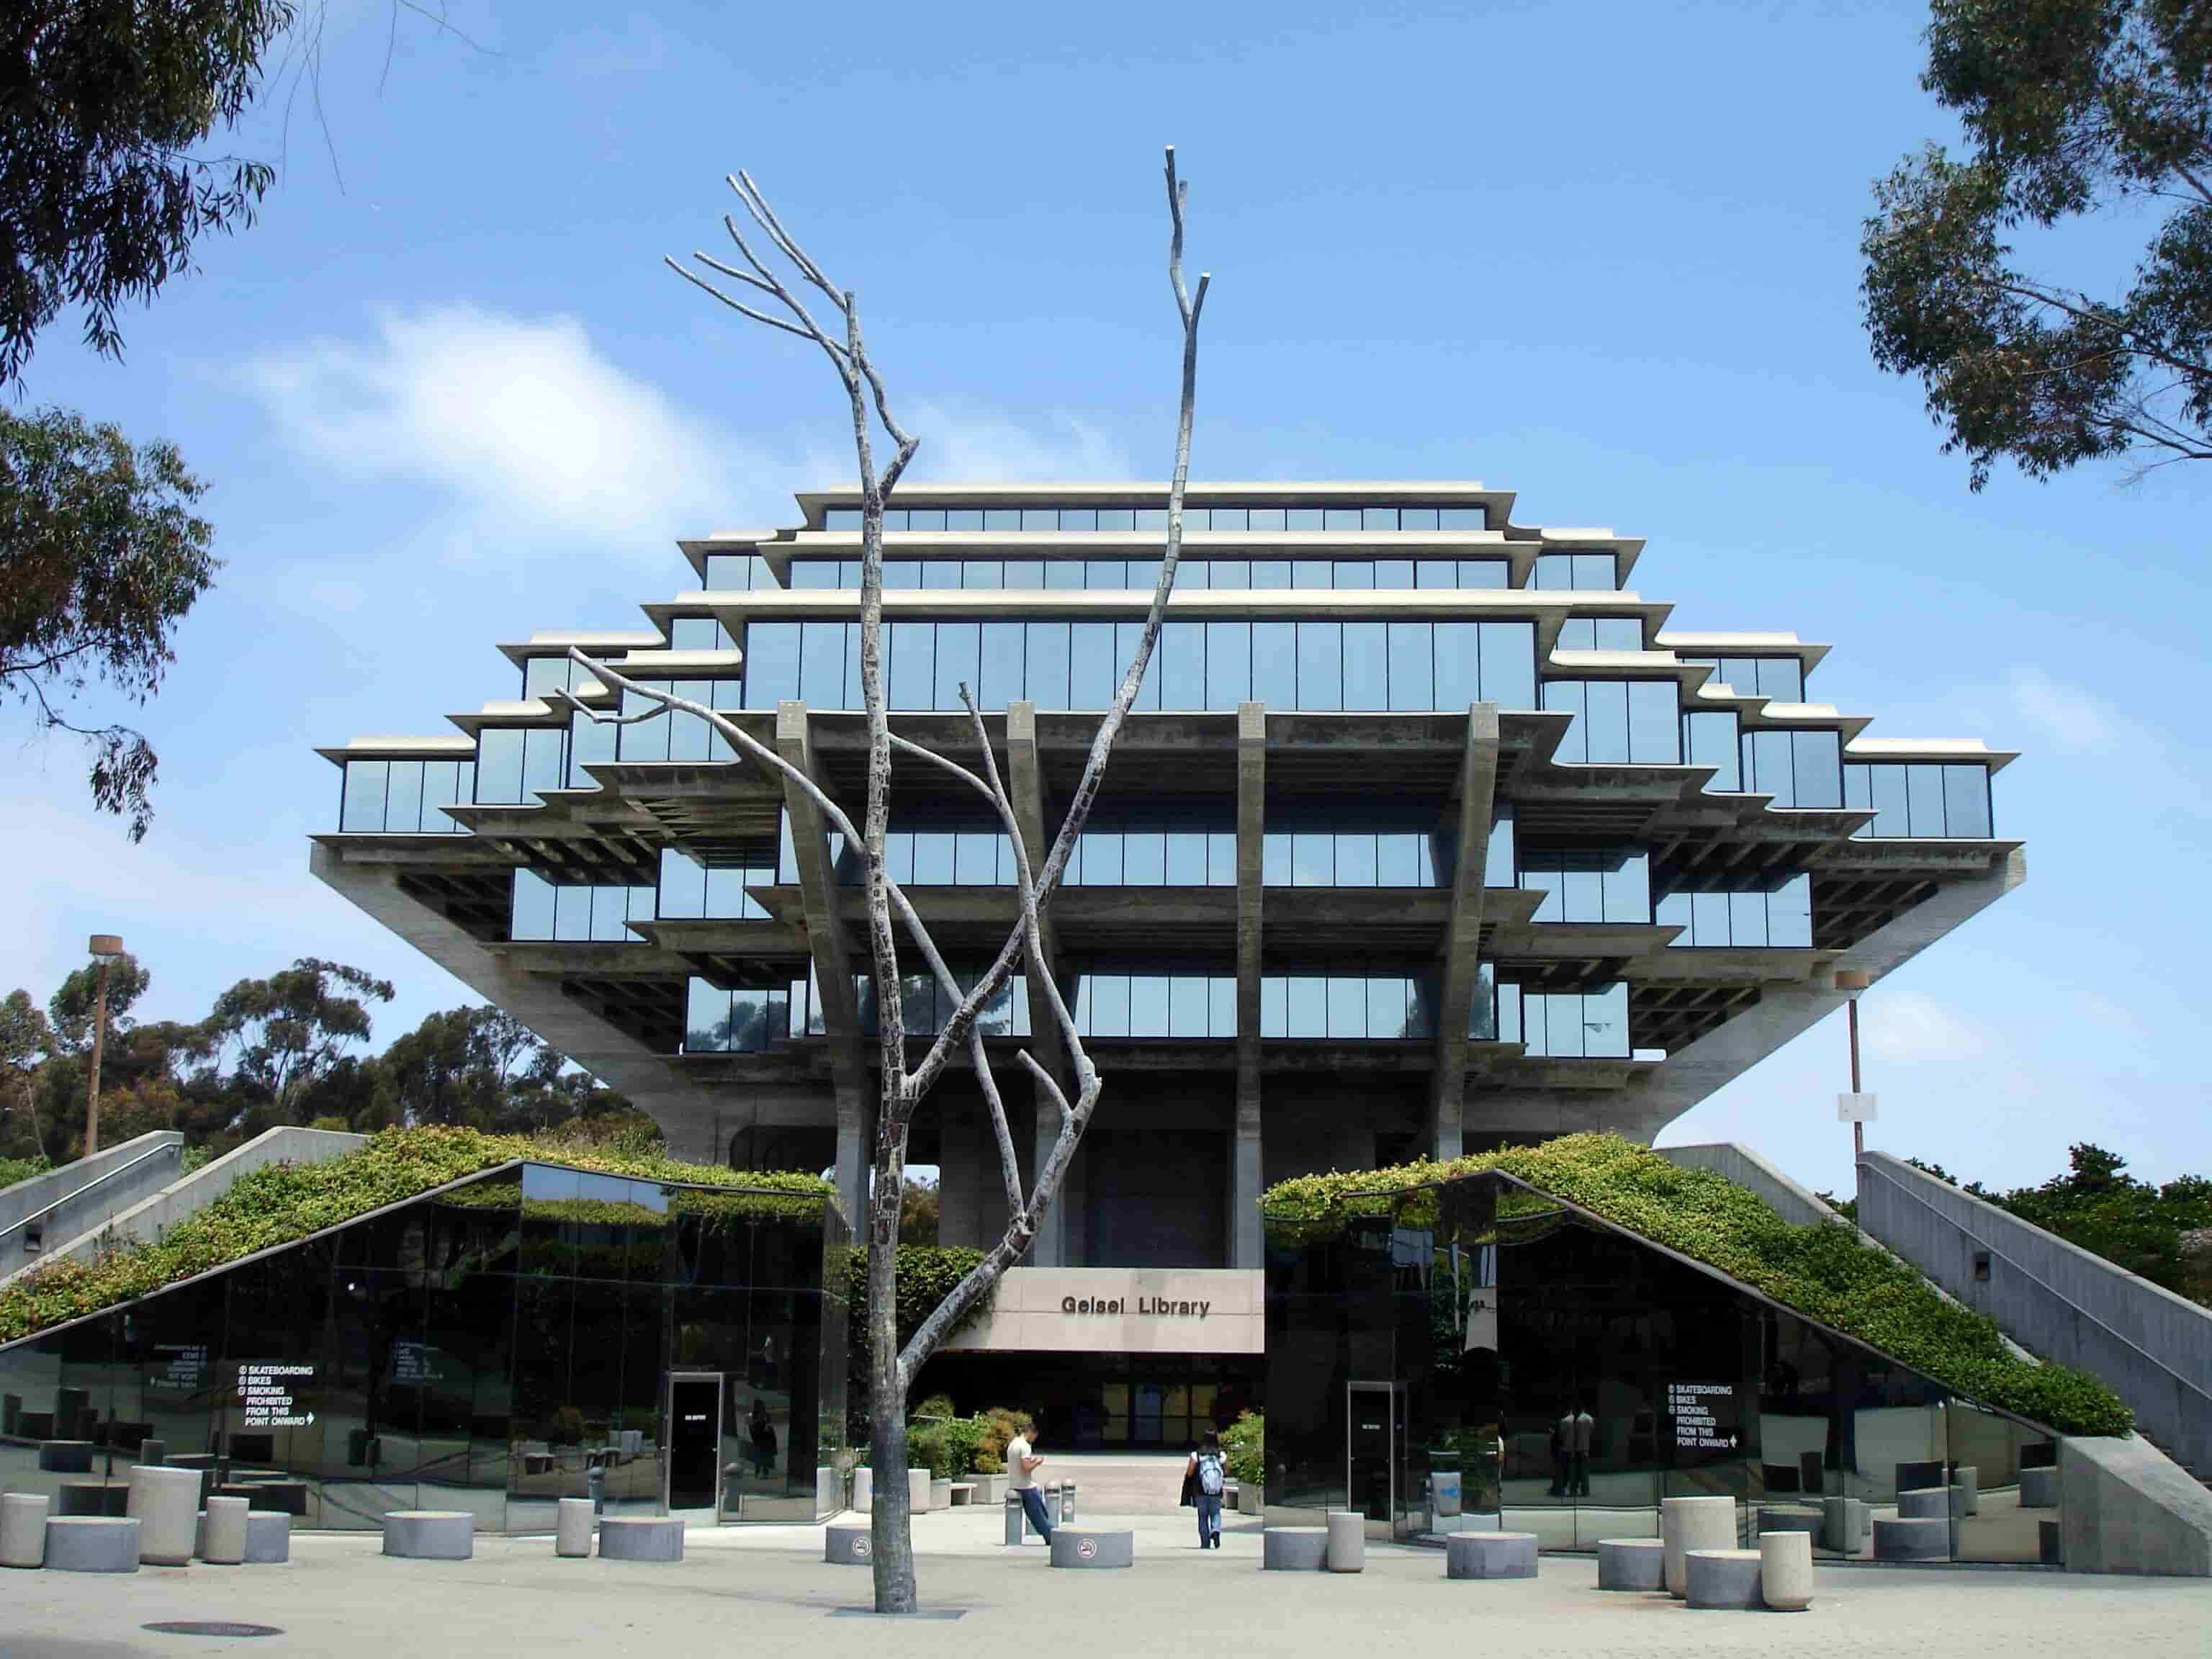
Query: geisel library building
{"points": [[1429, 834]]}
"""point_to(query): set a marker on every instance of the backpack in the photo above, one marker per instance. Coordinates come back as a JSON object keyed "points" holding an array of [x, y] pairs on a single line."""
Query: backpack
{"points": [[1209, 1474]]}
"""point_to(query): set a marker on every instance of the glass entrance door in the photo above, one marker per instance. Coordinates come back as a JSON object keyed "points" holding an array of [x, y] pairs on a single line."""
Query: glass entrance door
{"points": [[1370, 1454], [694, 1440]]}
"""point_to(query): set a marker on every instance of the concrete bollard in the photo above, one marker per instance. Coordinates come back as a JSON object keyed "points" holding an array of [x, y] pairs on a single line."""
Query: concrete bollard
{"points": [[1722, 1578], [572, 1528], [224, 1544], [165, 1502], [1785, 1571], [917, 1492], [268, 1538], [1016, 1522], [1693, 1523], [22, 1529], [1632, 1563], [1965, 1493], [1346, 1550], [864, 1490]]}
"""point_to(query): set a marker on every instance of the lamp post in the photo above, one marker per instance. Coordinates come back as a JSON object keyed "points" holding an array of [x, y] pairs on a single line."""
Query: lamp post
{"points": [[105, 947], [1856, 1106]]}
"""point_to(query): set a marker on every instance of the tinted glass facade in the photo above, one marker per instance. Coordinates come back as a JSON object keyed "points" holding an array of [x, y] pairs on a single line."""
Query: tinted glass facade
{"points": [[1486, 1357], [492, 1347]]}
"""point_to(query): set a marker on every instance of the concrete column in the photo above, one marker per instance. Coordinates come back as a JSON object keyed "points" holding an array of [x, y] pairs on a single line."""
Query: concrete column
{"points": [[1245, 1240], [960, 1175], [1025, 783], [1460, 967], [849, 1073]]}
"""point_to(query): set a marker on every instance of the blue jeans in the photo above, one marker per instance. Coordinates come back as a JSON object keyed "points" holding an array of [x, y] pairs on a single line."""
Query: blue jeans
{"points": [[1033, 1506], [1209, 1518]]}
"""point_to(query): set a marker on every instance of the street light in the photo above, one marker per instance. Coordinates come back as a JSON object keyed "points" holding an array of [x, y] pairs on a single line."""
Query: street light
{"points": [[105, 947], [1855, 1107]]}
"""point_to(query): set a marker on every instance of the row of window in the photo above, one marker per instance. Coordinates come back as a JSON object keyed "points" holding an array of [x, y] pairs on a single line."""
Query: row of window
{"points": [[1781, 679], [1780, 917], [1167, 1005], [1415, 666], [1589, 1024], [1142, 575], [404, 797], [544, 909], [690, 891], [749, 1019], [1602, 634], [1922, 799], [1156, 517], [1618, 722], [1595, 885]]}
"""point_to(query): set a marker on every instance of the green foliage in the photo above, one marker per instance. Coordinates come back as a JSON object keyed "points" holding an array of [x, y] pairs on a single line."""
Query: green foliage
{"points": [[1824, 1272], [926, 1275], [945, 1445], [2071, 108], [937, 1405], [12, 1170], [280, 1203], [996, 1426], [1244, 1449], [100, 558]]}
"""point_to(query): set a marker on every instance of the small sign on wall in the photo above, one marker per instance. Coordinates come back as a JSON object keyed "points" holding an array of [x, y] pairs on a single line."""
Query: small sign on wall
{"points": [[1854, 1109]]}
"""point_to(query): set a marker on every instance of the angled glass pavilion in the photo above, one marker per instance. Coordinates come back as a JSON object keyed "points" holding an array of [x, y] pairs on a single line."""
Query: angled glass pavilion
{"points": [[531, 1333], [1486, 1356]]}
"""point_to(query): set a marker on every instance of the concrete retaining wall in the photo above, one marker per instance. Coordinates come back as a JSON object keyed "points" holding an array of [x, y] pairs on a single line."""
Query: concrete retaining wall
{"points": [[1747, 1170], [2125, 1506], [63, 1203], [2151, 1348], [151, 1216]]}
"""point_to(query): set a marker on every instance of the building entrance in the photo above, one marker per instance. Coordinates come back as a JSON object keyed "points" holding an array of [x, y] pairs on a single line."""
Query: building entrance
{"points": [[694, 1440], [1103, 1401]]}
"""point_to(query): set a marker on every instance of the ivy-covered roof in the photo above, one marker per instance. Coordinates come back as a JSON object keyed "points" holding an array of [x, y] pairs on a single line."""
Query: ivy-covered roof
{"points": [[283, 1203], [1825, 1272]]}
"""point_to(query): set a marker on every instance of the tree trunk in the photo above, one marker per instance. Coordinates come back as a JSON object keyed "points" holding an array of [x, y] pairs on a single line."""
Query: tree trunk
{"points": [[890, 1528]]}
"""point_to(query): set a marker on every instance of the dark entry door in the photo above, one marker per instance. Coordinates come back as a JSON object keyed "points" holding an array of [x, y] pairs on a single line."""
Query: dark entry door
{"points": [[694, 1441]]}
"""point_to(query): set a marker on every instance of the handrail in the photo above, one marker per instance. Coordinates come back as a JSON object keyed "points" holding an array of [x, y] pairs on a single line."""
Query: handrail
{"points": [[2053, 1290], [99, 1179]]}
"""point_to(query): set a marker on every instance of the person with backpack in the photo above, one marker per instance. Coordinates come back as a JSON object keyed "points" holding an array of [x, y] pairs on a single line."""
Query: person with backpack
{"points": [[1205, 1475]]}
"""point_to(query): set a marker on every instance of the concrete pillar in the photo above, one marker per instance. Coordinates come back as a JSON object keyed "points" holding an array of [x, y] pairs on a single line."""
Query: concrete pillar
{"points": [[1245, 1180], [849, 1073], [1459, 969], [1025, 783], [961, 1170]]}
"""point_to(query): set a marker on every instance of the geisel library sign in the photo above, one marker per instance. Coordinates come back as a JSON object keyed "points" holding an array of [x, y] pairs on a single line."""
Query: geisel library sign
{"points": [[1215, 1310]]}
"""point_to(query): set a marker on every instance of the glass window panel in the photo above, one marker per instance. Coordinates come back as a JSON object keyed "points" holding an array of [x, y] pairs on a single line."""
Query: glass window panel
{"points": [[932, 858], [1413, 666], [1221, 859], [1002, 518], [1274, 664], [1275, 1007], [1229, 518], [1820, 777], [1747, 920], [1713, 742], [1228, 664], [821, 679], [1366, 666], [1347, 1006], [1789, 913], [1567, 697], [1190, 574], [1553, 572], [1396, 574], [1144, 573], [441, 789], [682, 886], [1187, 1006], [982, 573], [1892, 814], [1126, 637], [901, 573], [1782, 678], [1063, 574], [1186, 866], [499, 766], [1150, 518], [1378, 518], [1181, 669], [688, 733], [1498, 858], [771, 667], [1275, 858], [975, 858], [1458, 678], [1398, 861], [1461, 517], [1048, 665], [572, 912], [362, 809], [1966, 801], [1606, 717], [1628, 889], [1041, 518], [1321, 681], [1078, 518], [609, 914], [1307, 1006], [1509, 664], [1028, 574], [1485, 573], [1313, 860], [1619, 633], [1341, 518], [1148, 1004], [1221, 1005], [895, 518], [1101, 858], [1197, 518], [706, 1018], [925, 518], [941, 573], [1583, 890], [1143, 858], [1228, 573], [1435, 573], [1773, 773], [728, 572], [958, 661], [1673, 910], [1302, 518], [1858, 789], [1593, 571], [1710, 921], [1386, 1007], [727, 898], [1264, 518], [814, 573], [1107, 995], [532, 916], [543, 752], [1096, 672], [1312, 573], [1924, 793], [840, 518], [1604, 1022], [1578, 634], [1271, 574], [1352, 574], [1002, 665], [1356, 860], [1417, 517], [1545, 878], [1655, 728], [1116, 518], [1105, 573], [911, 682]]}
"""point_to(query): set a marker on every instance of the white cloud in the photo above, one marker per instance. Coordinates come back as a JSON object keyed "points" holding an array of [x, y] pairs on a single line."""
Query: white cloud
{"points": [[2067, 717], [963, 445], [520, 421], [1913, 1029]]}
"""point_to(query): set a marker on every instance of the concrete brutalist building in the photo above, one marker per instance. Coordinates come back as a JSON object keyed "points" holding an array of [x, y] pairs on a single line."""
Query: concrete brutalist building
{"points": [[1428, 832]]}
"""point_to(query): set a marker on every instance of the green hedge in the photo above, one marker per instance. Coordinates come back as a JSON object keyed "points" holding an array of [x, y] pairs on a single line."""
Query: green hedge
{"points": [[1244, 1450], [281, 1203], [12, 1170], [1824, 1272]]}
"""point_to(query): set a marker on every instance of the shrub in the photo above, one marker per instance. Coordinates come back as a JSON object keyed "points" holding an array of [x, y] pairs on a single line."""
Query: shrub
{"points": [[1824, 1272], [937, 1405], [12, 1170], [996, 1426], [1244, 1449]]}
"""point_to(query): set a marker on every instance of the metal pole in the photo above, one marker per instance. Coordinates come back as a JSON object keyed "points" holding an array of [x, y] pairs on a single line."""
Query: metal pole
{"points": [[1858, 1129], [92, 1089]]}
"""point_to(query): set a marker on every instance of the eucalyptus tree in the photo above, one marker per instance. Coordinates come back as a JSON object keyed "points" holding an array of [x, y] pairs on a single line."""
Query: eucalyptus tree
{"points": [[780, 302]]}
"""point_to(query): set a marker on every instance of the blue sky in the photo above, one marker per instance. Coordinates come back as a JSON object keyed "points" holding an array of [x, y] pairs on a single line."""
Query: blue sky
{"points": [[447, 395]]}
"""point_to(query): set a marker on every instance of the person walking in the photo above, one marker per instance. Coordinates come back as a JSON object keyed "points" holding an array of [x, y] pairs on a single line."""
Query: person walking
{"points": [[1204, 1473], [1022, 1465]]}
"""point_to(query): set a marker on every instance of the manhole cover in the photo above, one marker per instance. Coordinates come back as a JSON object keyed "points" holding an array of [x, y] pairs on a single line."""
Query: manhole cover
{"points": [[211, 1627]]}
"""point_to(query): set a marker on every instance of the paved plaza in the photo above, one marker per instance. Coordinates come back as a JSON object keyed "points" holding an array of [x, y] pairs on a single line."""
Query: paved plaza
{"points": [[767, 1590]]}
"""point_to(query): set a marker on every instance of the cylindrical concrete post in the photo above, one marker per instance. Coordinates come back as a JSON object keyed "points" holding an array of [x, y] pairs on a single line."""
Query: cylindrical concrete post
{"points": [[166, 1503], [1067, 1500], [1785, 1571], [1347, 1542], [572, 1527], [1016, 1520], [917, 1492], [864, 1490], [22, 1529], [1693, 1523], [224, 1545]]}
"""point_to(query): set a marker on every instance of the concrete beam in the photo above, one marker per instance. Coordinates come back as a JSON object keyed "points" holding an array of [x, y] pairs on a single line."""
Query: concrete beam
{"points": [[833, 974], [1025, 783], [1246, 1243], [1462, 968]]}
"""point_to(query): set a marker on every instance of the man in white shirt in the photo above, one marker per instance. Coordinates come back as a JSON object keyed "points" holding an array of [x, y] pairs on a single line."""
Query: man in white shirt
{"points": [[1022, 1465]]}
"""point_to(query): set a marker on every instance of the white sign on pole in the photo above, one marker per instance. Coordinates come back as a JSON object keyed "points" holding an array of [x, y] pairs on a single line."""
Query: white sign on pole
{"points": [[1854, 1109]]}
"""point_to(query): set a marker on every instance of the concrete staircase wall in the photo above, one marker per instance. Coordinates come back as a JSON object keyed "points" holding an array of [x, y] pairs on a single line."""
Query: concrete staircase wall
{"points": [[44, 1210], [153, 1215], [2061, 1302], [1747, 1169]]}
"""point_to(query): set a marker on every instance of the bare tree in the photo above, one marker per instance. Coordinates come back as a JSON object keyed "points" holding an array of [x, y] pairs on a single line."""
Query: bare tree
{"points": [[892, 1368]]}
